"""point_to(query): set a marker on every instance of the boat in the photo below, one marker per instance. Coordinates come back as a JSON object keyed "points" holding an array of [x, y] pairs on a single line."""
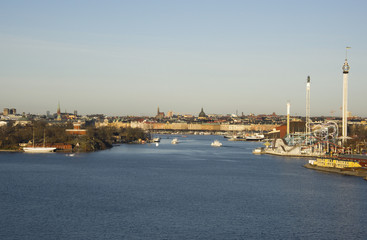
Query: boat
{"points": [[236, 138], [255, 137], [38, 149], [216, 143], [258, 151], [42, 149], [353, 165], [174, 141], [157, 139]]}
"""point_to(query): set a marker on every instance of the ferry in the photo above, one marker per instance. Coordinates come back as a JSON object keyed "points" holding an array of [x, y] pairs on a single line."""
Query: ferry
{"points": [[344, 161], [346, 164]]}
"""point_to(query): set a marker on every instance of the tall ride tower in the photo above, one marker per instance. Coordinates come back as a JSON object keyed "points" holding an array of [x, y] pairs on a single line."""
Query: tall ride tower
{"points": [[308, 108], [345, 97], [288, 116]]}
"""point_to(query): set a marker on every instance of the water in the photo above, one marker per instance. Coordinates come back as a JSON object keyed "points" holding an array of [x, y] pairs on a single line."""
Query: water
{"points": [[185, 191]]}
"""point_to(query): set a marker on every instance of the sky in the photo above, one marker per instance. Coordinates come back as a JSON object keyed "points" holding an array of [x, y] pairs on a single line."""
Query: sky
{"points": [[128, 57]]}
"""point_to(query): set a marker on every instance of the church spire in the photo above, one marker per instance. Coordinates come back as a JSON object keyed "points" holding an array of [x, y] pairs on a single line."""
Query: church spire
{"points": [[58, 112]]}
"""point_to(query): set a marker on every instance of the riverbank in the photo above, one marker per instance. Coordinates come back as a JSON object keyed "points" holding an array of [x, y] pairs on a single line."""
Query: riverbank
{"points": [[9, 150], [357, 172]]}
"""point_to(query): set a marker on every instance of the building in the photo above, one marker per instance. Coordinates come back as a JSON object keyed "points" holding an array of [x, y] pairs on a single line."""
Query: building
{"points": [[6, 111], [281, 131], [77, 130], [169, 114], [202, 114]]}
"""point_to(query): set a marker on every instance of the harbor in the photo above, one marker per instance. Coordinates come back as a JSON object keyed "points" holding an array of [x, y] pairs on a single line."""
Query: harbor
{"points": [[183, 120]]}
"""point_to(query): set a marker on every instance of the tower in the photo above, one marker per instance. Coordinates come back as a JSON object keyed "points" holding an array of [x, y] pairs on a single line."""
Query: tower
{"points": [[58, 112], [288, 113], [308, 108], [345, 97], [160, 115]]}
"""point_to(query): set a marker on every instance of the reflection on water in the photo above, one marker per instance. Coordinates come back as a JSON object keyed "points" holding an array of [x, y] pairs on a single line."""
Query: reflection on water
{"points": [[185, 191]]}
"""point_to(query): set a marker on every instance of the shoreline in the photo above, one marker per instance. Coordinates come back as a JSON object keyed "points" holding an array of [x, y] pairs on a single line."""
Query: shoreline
{"points": [[357, 172], [290, 155], [9, 150]]}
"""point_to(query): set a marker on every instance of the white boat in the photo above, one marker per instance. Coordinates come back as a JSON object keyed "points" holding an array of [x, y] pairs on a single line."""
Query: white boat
{"points": [[216, 143], [236, 138], [43, 149], [157, 139], [38, 149], [255, 137], [258, 151], [174, 141]]}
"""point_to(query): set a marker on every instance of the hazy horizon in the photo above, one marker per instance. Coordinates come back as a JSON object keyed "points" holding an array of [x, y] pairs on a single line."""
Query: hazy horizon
{"points": [[128, 57]]}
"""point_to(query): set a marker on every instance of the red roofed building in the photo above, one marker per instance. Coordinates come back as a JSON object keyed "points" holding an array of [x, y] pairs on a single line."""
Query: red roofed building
{"points": [[77, 130]]}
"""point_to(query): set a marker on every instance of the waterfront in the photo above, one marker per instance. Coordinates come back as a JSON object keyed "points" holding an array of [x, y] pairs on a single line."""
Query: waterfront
{"points": [[185, 191]]}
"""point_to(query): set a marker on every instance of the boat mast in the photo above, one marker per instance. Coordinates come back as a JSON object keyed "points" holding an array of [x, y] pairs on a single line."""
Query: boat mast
{"points": [[44, 137], [288, 113], [33, 137]]}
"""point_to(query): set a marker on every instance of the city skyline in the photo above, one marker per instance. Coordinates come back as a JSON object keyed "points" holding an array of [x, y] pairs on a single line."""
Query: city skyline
{"points": [[126, 58]]}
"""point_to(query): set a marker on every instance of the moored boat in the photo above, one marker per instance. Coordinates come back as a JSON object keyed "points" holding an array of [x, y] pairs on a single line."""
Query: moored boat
{"points": [[342, 161], [42, 149], [236, 138], [255, 137], [38, 149], [346, 165]]}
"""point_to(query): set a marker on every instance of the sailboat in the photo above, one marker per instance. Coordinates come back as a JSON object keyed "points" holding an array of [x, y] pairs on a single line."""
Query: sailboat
{"points": [[43, 149]]}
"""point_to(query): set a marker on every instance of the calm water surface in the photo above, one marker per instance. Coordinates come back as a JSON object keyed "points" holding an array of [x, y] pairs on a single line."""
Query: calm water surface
{"points": [[185, 191]]}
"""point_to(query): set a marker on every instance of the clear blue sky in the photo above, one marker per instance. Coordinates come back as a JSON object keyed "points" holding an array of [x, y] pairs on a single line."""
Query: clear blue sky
{"points": [[128, 57]]}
